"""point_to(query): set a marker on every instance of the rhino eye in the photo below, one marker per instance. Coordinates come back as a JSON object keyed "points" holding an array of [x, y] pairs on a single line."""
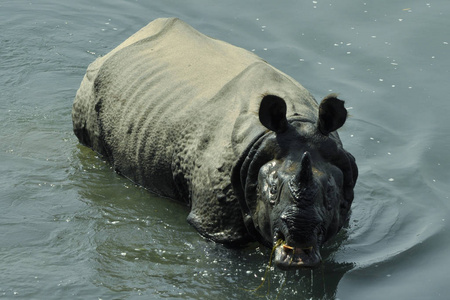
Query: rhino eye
{"points": [[273, 189], [273, 192]]}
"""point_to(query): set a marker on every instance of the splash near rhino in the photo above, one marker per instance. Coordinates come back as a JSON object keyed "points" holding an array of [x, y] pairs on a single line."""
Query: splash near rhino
{"points": [[247, 147]]}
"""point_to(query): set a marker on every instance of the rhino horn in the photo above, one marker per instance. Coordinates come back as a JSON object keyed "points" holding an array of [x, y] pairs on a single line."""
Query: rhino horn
{"points": [[302, 184], [305, 174]]}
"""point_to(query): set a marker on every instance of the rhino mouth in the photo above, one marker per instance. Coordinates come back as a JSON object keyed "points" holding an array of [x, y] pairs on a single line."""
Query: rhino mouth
{"points": [[287, 257]]}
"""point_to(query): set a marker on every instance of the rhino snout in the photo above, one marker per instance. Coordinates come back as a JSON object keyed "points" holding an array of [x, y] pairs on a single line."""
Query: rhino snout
{"points": [[297, 239], [299, 225]]}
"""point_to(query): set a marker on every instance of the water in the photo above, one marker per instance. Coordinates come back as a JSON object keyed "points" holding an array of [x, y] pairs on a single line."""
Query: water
{"points": [[73, 229]]}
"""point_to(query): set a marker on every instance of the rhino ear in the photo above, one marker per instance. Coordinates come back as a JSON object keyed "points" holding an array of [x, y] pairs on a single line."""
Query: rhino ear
{"points": [[332, 114], [272, 113]]}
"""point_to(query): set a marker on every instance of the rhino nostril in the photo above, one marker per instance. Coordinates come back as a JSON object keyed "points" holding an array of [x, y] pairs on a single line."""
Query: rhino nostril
{"points": [[308, 250]]}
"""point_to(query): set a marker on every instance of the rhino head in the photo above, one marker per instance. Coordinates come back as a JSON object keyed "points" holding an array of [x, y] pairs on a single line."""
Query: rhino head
{"points": [[295, 183]]}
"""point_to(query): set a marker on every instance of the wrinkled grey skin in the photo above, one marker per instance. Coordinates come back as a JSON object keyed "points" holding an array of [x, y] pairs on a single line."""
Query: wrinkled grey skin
{"points": [[243, 144]]}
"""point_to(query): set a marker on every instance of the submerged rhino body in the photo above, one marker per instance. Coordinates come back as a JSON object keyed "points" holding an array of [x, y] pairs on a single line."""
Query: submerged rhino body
{"points": [[244, 145]]}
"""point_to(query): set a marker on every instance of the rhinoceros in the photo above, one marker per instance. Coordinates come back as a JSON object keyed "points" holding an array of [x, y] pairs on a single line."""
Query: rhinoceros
{"points": [[244, 145]]}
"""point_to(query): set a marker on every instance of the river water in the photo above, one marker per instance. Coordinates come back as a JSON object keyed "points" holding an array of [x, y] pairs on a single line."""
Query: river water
{"points": [[70, 228]]}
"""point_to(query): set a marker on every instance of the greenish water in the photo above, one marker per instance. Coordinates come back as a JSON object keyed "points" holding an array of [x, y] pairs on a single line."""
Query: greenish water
{"points": [[70, 228]]}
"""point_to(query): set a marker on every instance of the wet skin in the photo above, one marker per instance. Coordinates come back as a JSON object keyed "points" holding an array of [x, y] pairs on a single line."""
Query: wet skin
{"points": [[301, 194]]}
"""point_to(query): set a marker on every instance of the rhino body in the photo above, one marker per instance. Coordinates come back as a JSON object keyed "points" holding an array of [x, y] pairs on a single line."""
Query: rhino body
{"points": [[196, 119]]}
